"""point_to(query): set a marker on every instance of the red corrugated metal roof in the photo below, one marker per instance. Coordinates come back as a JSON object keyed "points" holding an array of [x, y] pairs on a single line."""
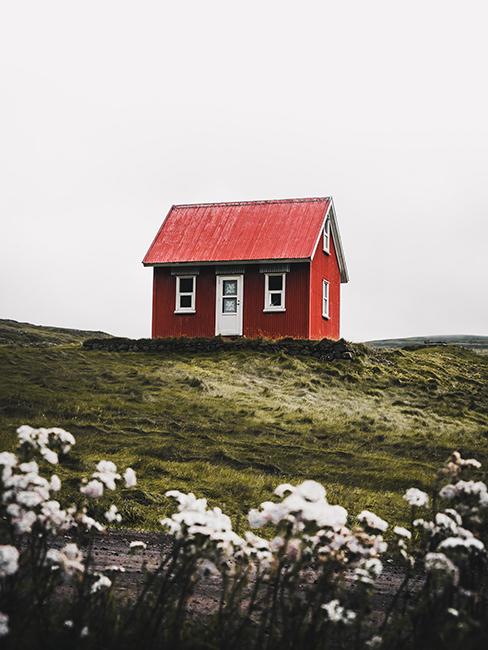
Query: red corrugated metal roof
{"points": [[245, 231]]}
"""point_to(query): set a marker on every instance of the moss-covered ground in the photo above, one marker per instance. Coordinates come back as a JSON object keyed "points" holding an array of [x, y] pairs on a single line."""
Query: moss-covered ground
{"points": [[231, 425]]}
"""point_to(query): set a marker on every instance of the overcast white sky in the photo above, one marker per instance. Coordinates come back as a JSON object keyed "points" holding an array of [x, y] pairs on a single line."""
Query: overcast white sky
{"points": [[112, 111]]}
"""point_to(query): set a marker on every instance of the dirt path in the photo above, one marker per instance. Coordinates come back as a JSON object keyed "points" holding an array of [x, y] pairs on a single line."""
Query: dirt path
{"points": [[113, 549]]}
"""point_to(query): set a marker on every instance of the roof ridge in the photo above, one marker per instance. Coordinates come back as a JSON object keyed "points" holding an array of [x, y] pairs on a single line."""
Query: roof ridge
{"points": [[312, 199]]}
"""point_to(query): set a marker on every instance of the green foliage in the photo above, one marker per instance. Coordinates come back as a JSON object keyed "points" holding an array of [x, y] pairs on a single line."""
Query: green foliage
{"points": [[232, 424]]}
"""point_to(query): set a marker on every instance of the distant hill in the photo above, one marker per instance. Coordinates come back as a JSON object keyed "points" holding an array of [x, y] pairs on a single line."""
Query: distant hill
{"points": [[13, 332], [464, 340]]}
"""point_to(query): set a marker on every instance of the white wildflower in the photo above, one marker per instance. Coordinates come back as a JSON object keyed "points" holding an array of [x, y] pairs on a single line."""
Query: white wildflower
{"points": [[55, 483], [29, 498], [372, 521], [22, 520], [9, 560], [54, 518], [374, 642], [402, 532], [8, 461], [422, 523], [463, 489], [415, 497], [115, 568], [107, 473], [470, 462], [452, 611], [64, 438], [311, 491], [113, 514], [26, 434], [49, 455], [187, 501], [463, 543], [130, 478], [69, 558], [93, 489], [29, 468], [84, 632], [338, 614], [440, 563], [282, 489], [68, 623], [256, 518], [4, 629], [137, 545], [89, 523], [442, 520], [454, 515], [102, 583]]}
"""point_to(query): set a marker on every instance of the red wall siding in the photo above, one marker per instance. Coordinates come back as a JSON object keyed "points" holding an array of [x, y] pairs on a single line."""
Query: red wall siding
{"points": [[293, 322], [325, 267], [166, 323]]}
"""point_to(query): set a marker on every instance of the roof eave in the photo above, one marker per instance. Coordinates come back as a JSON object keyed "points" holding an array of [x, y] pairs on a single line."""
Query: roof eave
{"points": [[273, 260]]}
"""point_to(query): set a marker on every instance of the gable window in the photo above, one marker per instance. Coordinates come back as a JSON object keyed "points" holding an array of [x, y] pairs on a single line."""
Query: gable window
{"points": [[185, 294], [325, 299], [274, 291], [326, 236]]}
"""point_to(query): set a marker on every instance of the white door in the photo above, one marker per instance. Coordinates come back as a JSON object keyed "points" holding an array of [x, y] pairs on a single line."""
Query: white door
{"points": [[228, 320]]}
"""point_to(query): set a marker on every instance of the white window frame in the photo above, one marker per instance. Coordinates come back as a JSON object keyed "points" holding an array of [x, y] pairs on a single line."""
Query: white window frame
{"points": [[193, 294], [326, 236], [325, 299], [267, 293]]}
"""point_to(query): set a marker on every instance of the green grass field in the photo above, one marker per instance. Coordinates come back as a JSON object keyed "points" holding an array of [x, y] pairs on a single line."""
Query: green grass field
{"points": [[232, 425]]}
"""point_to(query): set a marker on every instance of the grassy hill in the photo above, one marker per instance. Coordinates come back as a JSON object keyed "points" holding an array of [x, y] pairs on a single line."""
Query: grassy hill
{"points": [[479, 343], [14, 333], [232, 424]]}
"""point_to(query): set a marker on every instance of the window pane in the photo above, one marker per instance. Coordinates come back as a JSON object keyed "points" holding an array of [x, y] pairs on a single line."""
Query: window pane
{"points": [[185, 301], [186, 285], [275, 282], [275, 299], [230, 287], [229, 306]]}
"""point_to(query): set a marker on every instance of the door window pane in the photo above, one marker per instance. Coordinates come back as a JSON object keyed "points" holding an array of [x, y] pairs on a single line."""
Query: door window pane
{"points": [[275, 282], [230, 287], [276, 299], [229, 305]]}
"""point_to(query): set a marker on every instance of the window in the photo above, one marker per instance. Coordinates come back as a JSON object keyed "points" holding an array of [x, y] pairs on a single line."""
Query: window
{"points": [[274, 292], [325, 299], [327, 236], [185, 293]]}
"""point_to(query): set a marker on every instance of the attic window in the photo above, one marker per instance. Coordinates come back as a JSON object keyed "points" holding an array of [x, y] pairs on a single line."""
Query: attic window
{"points": [[185, 294], [326, 236], [274, 291]]}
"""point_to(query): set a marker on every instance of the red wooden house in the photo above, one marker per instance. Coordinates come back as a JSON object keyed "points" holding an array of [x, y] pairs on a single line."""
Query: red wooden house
{"points": [[253, 268]]}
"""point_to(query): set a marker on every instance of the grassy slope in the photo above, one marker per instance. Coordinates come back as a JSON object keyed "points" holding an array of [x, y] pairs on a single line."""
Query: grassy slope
{"points": [[232, 425]]}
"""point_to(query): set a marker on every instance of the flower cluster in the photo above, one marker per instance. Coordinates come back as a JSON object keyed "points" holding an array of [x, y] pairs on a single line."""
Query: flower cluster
{"points": [[106, 476], [206, 531], [49, 442], [35, 518]]}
